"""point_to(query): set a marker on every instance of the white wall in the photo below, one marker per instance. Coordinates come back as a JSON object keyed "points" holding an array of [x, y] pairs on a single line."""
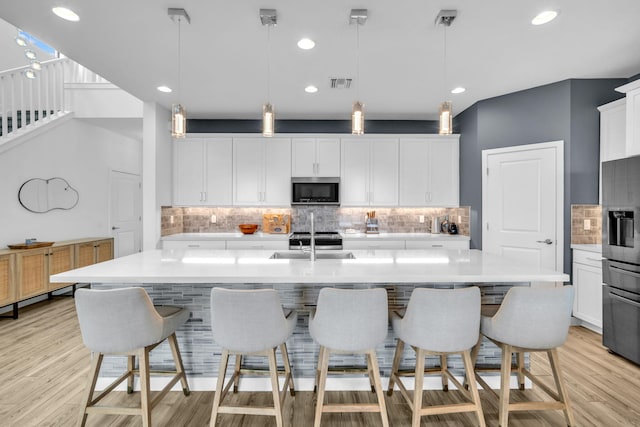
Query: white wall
{"points": [[156, 177], [81, 153]]}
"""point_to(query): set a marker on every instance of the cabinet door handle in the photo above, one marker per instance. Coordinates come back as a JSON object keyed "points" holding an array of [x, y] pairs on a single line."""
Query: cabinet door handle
{"points": [[546, 241], [436, 246], [193, 246], [204, 196], [594, 259]]}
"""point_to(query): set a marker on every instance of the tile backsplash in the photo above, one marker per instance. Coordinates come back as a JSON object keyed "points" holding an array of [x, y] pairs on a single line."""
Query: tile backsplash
{"points": [[586, 216], [327, 218]]}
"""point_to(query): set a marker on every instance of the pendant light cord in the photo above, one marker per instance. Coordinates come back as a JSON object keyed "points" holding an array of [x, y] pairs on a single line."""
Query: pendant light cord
{"points": [[179, 59], [444, 64], [358, 60], [268, 63]]}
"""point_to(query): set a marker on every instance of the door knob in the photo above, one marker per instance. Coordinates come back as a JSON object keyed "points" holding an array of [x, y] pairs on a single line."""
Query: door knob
{"points": [[547, 241]]}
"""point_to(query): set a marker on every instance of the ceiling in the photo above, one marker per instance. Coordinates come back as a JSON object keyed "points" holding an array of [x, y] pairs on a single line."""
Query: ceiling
{"points": [[491, 49]]}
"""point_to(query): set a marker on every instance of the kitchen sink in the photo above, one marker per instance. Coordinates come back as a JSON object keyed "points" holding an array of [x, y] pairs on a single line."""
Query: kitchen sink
{"points": [[319, 255]]}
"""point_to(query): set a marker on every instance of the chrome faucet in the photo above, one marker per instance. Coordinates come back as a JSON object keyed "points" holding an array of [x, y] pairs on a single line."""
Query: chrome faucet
{"points": [[312, 241]]}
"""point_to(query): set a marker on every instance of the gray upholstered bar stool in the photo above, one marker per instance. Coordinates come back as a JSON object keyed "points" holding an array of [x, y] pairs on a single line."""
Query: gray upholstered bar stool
{"points": [[125, 322], [250, 322], [438, 322], [530, 320], [350, 322]]}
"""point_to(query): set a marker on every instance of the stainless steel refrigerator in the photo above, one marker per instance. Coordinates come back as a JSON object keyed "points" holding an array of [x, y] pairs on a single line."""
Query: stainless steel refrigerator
{"points": [[621, 253]]}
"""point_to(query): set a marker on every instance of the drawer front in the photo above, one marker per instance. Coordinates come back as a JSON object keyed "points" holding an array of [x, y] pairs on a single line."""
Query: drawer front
{"points": [[588, 258], [372, 244], [439, 244], [194, 244], [270, 244]]}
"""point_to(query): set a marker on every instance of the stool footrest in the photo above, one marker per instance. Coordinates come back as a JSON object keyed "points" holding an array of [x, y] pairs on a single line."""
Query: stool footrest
{"points": [[351, 407]]}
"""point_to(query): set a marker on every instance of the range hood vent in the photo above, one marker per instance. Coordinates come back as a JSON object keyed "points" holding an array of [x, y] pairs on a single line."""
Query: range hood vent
{"points": [[339, 82]]}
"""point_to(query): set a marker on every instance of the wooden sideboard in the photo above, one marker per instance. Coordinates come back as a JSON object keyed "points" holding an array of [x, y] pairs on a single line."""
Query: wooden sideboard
{"points": [[24, 273]]}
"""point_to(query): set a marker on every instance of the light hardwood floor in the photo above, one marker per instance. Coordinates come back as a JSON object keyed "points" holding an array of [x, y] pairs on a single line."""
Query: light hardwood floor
{"points": [[43, 369]]}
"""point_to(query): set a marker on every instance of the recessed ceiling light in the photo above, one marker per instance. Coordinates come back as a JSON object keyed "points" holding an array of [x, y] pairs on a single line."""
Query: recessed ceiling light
{"points": [[306, 44], [165, 89], [544, 17], [458, 90], [29, 73], [311, 89], [66, 14], [21, 40], [30, 54], [36, 65]]}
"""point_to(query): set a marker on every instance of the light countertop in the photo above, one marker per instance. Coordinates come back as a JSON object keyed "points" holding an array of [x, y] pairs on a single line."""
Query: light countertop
{"points": [[404, 236], [260, 236], [589, 248], [257, 236], [255, 266]]}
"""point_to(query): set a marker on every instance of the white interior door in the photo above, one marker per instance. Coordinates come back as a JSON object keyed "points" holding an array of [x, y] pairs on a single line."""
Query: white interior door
{"points": [[126, 220], [522, 203]]}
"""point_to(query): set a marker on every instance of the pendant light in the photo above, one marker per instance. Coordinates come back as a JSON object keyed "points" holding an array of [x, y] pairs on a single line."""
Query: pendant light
{"points": [[178, 113], [357, 17], [269, 18], [445, 112]]}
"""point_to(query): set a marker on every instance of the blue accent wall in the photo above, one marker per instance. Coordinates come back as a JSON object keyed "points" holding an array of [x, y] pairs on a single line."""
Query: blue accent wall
{"points": [[565, 111]]}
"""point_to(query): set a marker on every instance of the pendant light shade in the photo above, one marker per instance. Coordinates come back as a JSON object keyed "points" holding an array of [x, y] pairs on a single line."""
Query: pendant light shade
{"points": [[268, 120], [445, 118], [178, 112], [357, 118], [178, 121]]}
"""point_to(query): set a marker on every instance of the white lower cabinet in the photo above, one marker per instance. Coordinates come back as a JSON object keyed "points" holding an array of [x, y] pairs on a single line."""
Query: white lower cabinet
{"points": [[587, 282], [275, 245], [193, 244], [372, 244], [439, 244]]}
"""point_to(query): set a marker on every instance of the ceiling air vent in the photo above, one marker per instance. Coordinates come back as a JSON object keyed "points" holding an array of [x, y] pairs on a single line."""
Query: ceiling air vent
{"points": [[339, 83]]}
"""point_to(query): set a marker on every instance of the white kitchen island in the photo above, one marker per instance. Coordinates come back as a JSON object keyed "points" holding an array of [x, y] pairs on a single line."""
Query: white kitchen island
{"points": [[185, 277]]}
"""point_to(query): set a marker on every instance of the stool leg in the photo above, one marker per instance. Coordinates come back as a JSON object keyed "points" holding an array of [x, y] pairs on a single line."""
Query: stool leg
{"points": [[554, 361], [177, 358], [145, 387], [222, 371], [473, 387], [474, 356], [131, 364], [443, 368], [372, 382], [287, 369], [520, 359], [375, 370], [323, 366], [236, 372], [96, 361], [320, 355], [505, 380], [395, 366], [417, 392], [273, 370]]}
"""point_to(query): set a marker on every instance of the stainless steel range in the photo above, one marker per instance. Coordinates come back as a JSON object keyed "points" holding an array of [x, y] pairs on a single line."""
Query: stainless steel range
{"points": [[331, 240]]}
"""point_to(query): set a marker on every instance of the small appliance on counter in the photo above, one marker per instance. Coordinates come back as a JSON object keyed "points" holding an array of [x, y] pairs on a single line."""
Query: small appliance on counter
{"points": [[435, 225], [276, 223], [371, 223], [453, 228]]}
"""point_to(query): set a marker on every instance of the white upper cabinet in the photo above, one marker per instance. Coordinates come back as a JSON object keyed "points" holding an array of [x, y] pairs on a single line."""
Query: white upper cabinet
{"points": [[612, 133], [262, 171], [632, 91], [318, 157], [202, 172], [429, 171], [369, 172]]}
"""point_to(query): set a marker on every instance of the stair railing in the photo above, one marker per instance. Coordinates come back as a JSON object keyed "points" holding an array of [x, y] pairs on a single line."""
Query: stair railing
{"points": [[25, 102]]}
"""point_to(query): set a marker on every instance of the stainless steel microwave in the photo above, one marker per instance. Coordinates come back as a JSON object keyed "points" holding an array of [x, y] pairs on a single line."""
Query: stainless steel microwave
{"points": [[315, 191]]}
